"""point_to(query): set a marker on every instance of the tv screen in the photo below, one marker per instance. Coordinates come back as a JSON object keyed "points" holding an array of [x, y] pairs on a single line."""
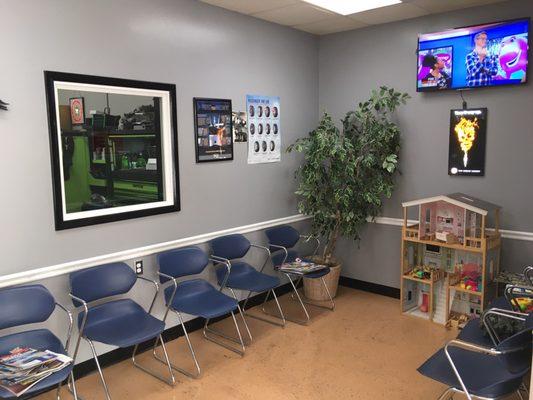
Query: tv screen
{"points": [[483, 55]]}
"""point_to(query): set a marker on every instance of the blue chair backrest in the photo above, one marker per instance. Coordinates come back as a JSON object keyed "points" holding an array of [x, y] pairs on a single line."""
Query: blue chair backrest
{"points": [[102, 281], [519, 346], [22, 305], [284, 235], [182, 262], [230, 246]]}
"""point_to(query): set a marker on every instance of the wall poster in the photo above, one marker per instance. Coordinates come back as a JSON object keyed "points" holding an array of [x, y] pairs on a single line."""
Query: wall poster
{"points": [[468, 134], [214, 134], [264, 132]]}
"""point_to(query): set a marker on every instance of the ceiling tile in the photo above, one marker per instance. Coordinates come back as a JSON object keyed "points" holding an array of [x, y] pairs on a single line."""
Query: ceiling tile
{"points": [[295, 14], [331, 25], [438, 6], [250, 6], [387, 14]]}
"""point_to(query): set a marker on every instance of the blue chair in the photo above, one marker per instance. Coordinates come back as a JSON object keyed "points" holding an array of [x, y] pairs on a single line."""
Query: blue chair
{"points": [[235, 274], [195, 297], [31, 304], [481, 372], [282, 241], [503, 307], [117, 322]]}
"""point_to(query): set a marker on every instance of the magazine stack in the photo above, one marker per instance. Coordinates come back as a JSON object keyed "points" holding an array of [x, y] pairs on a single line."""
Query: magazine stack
{"points": [[24, 367]]}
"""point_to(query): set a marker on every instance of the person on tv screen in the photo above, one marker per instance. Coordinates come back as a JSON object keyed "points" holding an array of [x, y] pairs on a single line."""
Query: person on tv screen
{"points": [[437, 75], [481, 66]]}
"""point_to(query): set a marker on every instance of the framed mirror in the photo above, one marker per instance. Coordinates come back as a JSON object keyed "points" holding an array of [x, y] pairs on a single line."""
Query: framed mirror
{"points": [[113, 148]]}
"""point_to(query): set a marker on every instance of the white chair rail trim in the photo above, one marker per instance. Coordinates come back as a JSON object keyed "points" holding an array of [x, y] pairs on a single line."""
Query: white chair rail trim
{"points": [[39, 274]]}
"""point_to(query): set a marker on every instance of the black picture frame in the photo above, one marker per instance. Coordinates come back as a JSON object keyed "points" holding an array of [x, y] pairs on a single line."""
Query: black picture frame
{"points": [[172, 202], [475, 156], [225, 151]]}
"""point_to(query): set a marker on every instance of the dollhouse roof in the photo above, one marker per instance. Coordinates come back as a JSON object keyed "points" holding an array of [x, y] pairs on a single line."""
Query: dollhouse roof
{"points": [[459, 199]]}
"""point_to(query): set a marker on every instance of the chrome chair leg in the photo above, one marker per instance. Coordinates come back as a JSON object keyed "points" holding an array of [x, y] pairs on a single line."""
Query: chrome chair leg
{"points": [[207, 330], [241, 312], [71, 386], [191, 349], [282, 324], [312, 303], [172, 380], [104, 384], [301, 322], [520, 394], [447, 395]]}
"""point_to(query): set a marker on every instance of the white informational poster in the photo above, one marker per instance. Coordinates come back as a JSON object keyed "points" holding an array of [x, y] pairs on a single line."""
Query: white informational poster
{"points": [[264, 131]]}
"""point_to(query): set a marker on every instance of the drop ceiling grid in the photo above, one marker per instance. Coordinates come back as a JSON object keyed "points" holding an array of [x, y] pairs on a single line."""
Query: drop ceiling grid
{"points": [[306, 17]]}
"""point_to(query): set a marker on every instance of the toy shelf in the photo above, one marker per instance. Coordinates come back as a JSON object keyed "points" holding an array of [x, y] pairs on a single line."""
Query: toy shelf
{"points": [[456, 246], [451, 239], [460, 289]]}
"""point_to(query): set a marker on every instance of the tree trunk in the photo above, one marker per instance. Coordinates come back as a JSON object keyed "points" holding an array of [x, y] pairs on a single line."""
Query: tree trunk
{"points": [[332, 240]]}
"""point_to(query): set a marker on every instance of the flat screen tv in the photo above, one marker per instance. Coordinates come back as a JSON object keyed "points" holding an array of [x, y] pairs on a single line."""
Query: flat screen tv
{"points": [[492, 54]]}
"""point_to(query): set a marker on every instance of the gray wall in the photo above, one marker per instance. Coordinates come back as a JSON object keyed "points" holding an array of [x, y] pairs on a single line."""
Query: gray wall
{"points": [[206, 52], [351, 64]]}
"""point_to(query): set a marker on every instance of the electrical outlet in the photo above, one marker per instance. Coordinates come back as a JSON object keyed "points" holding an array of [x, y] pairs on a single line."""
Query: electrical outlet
{"points": [[139, 267]]}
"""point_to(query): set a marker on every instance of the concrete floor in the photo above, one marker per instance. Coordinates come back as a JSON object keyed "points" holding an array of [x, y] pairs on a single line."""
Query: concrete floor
{"points": [[363, 350]]}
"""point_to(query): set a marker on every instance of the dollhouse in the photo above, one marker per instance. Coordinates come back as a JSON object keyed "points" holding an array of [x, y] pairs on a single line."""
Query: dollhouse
{"points": [[449, 257]]}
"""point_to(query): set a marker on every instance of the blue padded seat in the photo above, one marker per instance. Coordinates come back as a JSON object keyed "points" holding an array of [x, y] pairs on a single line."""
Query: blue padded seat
{"points": [[286, 236], [39, 339], [245, 277], [21, 305], [474, 333], [485, 375], [283, 235], [198, 297], [500, 302], [121, 323]]}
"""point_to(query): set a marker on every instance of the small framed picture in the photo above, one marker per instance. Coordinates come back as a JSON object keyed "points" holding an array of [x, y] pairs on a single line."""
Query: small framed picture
{"points": [[213, 129], [468, 135], [77, 110]]}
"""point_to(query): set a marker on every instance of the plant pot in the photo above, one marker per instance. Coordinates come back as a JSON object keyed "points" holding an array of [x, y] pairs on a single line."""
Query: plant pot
{"points": [[314, 288]]}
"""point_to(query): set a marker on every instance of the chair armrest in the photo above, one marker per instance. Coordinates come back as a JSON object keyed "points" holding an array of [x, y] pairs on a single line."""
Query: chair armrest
{"points": [[511, 294], [281, 248], [156, 285], [257, 246], [469, 347], [70, 324], [528, 273], [174, 282], [82, 327], [227, 263], [502, 313]]}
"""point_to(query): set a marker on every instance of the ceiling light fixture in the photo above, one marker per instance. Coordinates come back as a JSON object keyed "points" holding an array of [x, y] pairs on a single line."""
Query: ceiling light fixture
{"points": [[348, 7]]}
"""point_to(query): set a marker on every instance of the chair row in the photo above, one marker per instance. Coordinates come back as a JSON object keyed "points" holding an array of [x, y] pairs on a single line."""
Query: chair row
{"points": [[102, 317]]}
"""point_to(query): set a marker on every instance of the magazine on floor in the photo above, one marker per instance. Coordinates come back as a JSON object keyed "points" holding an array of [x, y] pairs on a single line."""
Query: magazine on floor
{"points": [[24, 367], [299, 267]]}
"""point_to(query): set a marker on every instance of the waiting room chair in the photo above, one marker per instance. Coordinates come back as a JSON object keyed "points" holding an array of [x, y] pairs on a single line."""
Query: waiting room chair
{"points": [[195, 297], [118, 322], [481, 372], [32, 304], [235, 274], [282, 240]]}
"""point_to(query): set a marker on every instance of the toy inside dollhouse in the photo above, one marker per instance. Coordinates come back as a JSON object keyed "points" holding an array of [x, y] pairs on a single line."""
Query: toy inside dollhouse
{"points": [[449, 258]]}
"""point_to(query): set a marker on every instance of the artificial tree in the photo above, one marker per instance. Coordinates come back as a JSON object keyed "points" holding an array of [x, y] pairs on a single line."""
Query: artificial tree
{"points": [[347, 172]]}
